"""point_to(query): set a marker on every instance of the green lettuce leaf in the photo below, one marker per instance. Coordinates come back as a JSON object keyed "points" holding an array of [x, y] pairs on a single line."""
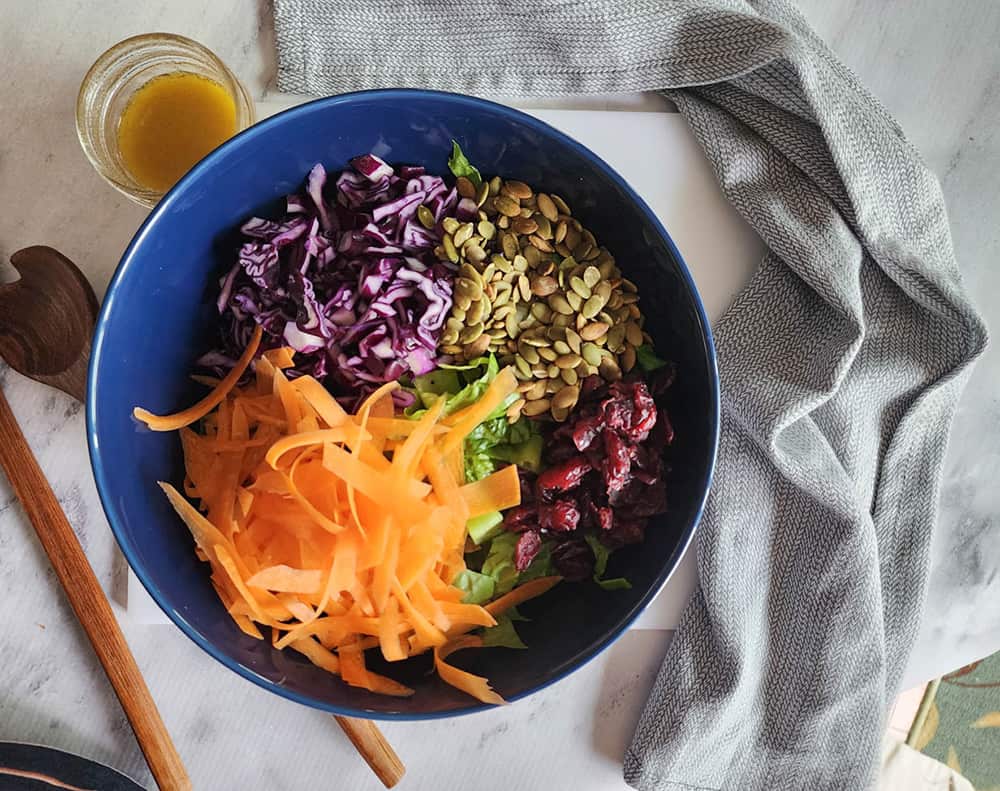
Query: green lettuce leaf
{"points": [[479, 588], [503, 635], [541, 566], [485, 526], [499, 563], [601, 555], [515, 615], [459, 164], [647, 359]]}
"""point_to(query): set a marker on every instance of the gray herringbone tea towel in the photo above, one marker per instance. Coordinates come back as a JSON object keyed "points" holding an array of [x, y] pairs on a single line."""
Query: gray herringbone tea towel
{"points": [[841, 363]]}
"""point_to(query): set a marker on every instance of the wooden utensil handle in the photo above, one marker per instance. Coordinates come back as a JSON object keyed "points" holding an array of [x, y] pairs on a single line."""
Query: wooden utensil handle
{"points": [[89, 603], [370, 742]]}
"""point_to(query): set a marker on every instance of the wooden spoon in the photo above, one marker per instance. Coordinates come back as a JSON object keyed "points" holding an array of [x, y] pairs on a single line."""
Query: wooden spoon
{"points": [[46, 322]]}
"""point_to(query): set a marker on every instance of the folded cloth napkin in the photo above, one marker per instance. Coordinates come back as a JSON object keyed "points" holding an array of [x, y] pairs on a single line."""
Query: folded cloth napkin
{"points": [[841, 363]]}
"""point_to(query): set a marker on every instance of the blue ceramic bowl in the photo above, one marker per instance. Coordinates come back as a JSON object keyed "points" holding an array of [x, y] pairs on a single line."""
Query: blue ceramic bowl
{"points": [[158, 316]]}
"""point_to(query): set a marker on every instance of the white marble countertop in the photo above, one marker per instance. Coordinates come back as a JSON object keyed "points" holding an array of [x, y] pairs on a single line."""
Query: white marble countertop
{"points": [[935, 65]]}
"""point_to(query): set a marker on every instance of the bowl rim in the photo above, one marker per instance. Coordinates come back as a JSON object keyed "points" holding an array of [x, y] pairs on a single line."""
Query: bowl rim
{"points": [[166, 204]]}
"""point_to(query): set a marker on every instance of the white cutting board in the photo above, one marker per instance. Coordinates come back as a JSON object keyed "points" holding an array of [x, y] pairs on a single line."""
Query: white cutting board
{"points": [[657, 154]]}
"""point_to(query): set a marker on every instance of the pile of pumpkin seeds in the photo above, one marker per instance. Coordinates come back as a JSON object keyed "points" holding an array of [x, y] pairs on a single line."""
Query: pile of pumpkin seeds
{"points": [[536, 289]]}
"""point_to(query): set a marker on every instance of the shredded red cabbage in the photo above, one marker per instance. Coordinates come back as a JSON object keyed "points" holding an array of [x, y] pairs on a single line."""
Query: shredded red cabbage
{"points": [[347, 278]]}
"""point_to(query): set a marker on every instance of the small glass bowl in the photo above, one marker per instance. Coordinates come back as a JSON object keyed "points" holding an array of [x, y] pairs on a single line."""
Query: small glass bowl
{"points": [[118, 74]]}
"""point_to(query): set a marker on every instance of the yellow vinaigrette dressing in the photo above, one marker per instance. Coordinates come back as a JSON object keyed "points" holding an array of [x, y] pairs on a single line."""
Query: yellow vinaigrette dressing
{"points": [[170, 123]]}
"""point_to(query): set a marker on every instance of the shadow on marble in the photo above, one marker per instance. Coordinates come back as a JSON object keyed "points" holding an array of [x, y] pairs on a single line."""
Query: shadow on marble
{"points": [[629, 672]]}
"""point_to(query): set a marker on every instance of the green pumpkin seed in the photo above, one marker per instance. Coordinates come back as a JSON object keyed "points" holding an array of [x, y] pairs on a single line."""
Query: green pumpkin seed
{"points": [[566, 398], [580, 287], [633, 334], [616, 336], [508, 243], [540, 244], [609, 370], [560, 415], [426, 216], [514, 410], [548, 354], [535, 408], [573, 340], [450, 224], [522, 365], [465, 187], [561, 347], [475, 253], [560, 204], [544, 227], [591, 353], [449, 249], [451, 349], [478, 346], [486, 229], [529, 353], [463, 234], [543, 286], [507, 206], [575, 301], [532, 256], [560, 233], [559, 304], [594, 330], [591, 276], [517, 189], [476, 312], [568, 360], [524, 287], [524, 225], [470, 333], [465, 286], [511, 324], [503, 222], [569, 376], [547, 207], [502, 264], [592, 307], [628, 358], [521, 263], [482, 194], [536, 391], [471, 273]]}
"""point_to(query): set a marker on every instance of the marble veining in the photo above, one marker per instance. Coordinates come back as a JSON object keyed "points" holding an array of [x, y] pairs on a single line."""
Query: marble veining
{"points": [[937, 67]]}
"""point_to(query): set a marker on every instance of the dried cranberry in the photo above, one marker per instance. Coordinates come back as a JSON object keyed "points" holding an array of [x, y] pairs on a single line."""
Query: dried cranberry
{"points": [[521, 518], [605, 518], [585, 431], [589, 386], [528, 546], [643, 414], [565, 476], [617, 461], [624, 531], [562, 516], [573, 559]]}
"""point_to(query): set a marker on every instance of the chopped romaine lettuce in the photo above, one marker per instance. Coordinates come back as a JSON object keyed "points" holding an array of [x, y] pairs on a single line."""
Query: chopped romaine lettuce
{"points": [[647, 359], [459, 164], [601, 555], [499, 563], [485, 526], [479, 588], [503, 635]]}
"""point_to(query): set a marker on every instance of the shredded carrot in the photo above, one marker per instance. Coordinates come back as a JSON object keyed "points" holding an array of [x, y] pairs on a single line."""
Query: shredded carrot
{"points": [[340, 532], [195, 413], [521, 594]]}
